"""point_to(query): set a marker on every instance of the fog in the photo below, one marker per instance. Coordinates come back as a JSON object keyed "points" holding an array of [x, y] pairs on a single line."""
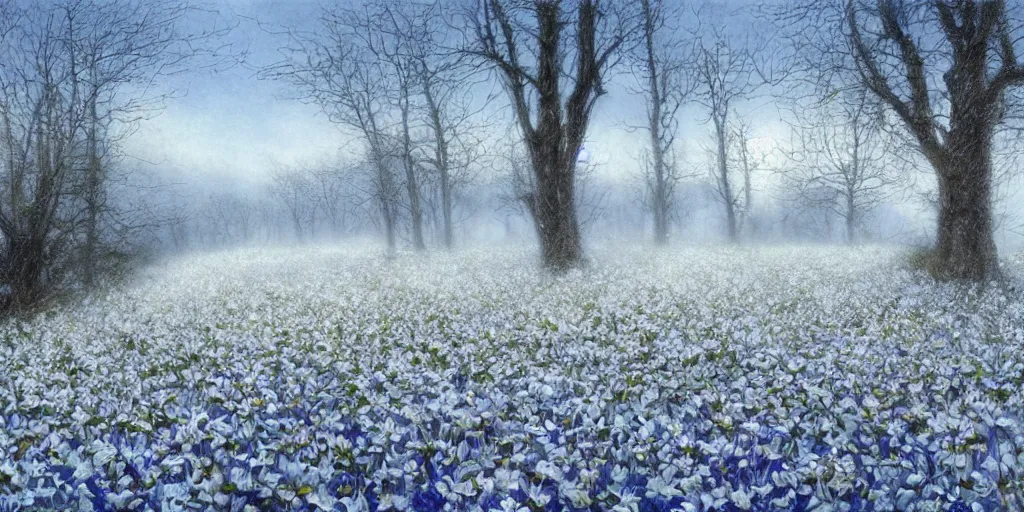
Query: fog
{"points": [[231, 130], [160, 128], [511, 255]]}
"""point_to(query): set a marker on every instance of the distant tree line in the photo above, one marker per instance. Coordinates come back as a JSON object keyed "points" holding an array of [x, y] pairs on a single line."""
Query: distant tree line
{"points": [[866, 80], [482, 107]]}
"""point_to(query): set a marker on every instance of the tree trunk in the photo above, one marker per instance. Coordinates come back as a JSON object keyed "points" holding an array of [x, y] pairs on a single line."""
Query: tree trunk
{"points": [[440, 156], [414, 206], [385, 189], [389, 227], [415, 211], [446, 210], [660, 222], [748, 195], [965, 247], [297, 222], [25, 267], [92, 193], [660, 198], [556, 221], [725, 186], [553, 150], [851, 217]]}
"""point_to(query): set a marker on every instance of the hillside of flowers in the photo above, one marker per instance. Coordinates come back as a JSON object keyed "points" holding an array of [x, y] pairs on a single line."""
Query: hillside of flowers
{"points": [[740, 379]]}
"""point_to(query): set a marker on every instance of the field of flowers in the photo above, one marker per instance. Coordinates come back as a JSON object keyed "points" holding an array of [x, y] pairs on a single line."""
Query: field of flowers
{"points": [[824, 379]]}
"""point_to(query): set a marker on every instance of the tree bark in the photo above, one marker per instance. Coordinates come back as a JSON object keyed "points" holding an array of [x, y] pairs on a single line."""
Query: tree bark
{"points": [[440, 157], [724, 186], [25, 261], [556, 220], [415, 211], [92, 194], [965, 247]]}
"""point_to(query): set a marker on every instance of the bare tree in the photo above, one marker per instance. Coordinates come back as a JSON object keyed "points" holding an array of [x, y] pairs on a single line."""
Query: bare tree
{"points": [[841, 159], [749, 160], [661, 68], [389, 34], [112, 47], [725, 71], [379, 187], [292, 189], [444, 79], [534, 47], [809, 211], [75, 77], [233, 217], [945, 70], [331, 188], [39, 129], [336, 71]]}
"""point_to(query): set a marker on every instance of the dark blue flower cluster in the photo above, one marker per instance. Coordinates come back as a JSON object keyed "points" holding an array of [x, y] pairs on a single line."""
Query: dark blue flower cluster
{"points": [[755, 470]]}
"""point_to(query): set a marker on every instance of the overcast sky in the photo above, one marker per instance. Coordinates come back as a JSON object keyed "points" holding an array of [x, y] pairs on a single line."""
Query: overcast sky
{"points": [[230, 126]]}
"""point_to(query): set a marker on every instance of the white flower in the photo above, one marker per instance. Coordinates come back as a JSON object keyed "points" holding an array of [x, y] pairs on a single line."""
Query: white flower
{"points": [[510, 505], [658, 486], [627, 503], [549, 470], [103, 453], [740, 498], [355, 503], [536, 496]]}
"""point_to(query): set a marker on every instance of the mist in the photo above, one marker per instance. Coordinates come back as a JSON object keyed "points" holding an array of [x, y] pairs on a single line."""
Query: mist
{"points": [[236, 130], [511, 255]]}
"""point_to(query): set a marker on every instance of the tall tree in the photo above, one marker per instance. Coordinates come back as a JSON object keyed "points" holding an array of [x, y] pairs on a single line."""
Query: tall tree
{"points": [[72, 74], [114, 45], [840, 159], [552, 57], [445, 79], [388, 33], [336, 69], [945, 69], [292, 189], [749, 161], [725, 73], [661, 68], [331, 186]]}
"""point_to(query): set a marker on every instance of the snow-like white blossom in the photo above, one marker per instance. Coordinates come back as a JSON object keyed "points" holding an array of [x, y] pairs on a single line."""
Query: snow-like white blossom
{"points": [[682, 379]]}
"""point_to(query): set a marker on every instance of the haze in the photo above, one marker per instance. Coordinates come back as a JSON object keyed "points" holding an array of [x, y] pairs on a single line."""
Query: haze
{"points": [[511, 255]]}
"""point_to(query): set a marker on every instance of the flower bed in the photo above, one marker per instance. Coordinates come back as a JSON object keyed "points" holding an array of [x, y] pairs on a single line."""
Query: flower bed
{"points": [[711, 379]]}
